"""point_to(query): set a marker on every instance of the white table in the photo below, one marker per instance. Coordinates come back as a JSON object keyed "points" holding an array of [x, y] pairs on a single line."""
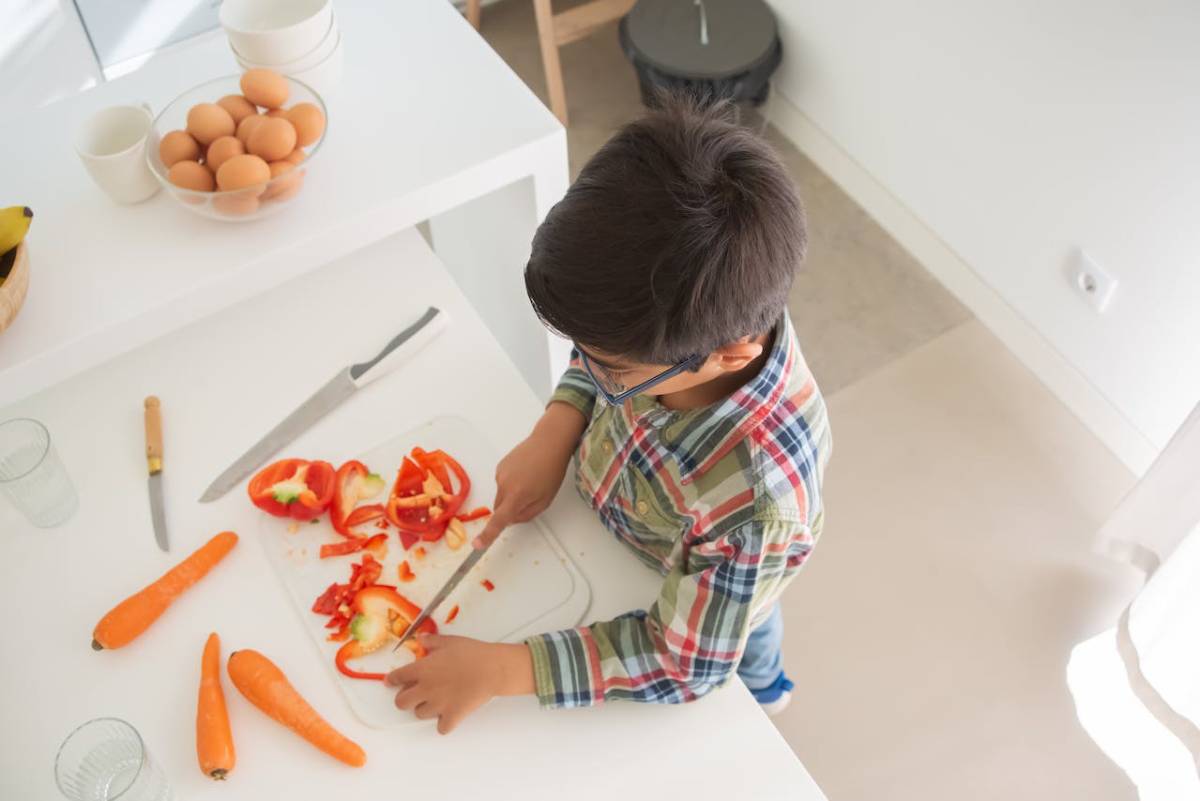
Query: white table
{"points": [[222, 383], [428, 123]]}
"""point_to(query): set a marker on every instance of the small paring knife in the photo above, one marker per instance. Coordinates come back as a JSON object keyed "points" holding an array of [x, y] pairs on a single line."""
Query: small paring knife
{"points": [[443, 593], [345, 383], [154, 462]]}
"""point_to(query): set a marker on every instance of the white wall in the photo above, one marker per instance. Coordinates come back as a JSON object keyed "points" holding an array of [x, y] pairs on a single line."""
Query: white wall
{"points": [[1017, 131], [44, 55]]}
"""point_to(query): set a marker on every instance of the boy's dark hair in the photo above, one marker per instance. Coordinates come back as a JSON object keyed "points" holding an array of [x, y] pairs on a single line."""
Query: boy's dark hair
{"points": [[682, 234]]}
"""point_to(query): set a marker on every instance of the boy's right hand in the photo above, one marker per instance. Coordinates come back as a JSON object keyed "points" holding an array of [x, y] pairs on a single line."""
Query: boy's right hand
{"points": [[528, 478]]}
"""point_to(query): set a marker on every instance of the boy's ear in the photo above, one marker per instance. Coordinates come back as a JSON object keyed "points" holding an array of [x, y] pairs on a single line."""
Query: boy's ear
{"points": [[736, 355]]}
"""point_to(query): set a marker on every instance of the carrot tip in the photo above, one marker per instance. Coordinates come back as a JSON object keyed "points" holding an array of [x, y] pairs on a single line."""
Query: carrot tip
{"points": [[97, 646], [219, 774]]}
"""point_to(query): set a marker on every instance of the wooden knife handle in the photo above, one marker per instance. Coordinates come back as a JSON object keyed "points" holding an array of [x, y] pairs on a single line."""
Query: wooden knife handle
{"points": [[154, 440]]}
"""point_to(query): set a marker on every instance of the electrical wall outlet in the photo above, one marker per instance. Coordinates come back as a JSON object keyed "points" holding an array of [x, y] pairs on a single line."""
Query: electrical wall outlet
{"points": [[1095, 284]]}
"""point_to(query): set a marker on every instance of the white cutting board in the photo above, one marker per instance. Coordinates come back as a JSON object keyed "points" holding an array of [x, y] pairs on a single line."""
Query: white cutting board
{"points": [[537, 587]]}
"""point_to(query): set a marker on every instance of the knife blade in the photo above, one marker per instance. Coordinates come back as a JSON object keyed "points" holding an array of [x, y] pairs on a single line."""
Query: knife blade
{"points": [[442, 594], [345, 383], [154, 463]]}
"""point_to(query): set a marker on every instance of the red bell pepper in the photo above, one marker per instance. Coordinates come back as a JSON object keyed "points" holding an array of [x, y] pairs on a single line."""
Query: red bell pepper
{"points": [[488, 585], [293, 488], [408, 479], [377, 545], [404, 571], [453, 614], [365, 514], [352, 483], [475, 514], [427, 521], [352, 650]]}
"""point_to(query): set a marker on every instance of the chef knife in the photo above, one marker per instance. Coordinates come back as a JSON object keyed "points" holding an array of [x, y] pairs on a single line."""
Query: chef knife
{"points": [[444, 592], [154, 461], [345, 383]]}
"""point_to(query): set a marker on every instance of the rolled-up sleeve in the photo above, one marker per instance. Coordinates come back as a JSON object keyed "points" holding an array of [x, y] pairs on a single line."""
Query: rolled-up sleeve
{"points": [[691, 639]]}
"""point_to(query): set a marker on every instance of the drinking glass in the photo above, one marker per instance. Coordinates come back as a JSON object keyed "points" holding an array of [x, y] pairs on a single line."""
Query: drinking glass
{"points": [[105, 759], [32, 476]]}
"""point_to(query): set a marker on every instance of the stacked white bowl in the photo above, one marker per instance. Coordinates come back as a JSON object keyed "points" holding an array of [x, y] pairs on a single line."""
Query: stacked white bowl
{"points": [[298, 38]]}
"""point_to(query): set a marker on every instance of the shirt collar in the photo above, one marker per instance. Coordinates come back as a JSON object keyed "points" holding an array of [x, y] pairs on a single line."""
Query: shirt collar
{"points": [[698, 438]]}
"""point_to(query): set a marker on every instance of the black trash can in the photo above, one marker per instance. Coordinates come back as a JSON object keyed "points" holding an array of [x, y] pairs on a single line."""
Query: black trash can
{"points": [[710, 49]]}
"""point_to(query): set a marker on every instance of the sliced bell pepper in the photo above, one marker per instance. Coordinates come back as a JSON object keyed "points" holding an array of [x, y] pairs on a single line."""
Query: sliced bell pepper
{"points": [[352, 483], [408, 539], [378, 599], [453, 614], [404, 570], [327, 602], [295, 488], [368, 634], [365, 514], [488, 585], [414, 480], [475, 514], [408, 478], [376, 544]]}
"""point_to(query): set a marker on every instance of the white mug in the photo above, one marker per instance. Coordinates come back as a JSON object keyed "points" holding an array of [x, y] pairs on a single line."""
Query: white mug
{"points": [[112, 146]]}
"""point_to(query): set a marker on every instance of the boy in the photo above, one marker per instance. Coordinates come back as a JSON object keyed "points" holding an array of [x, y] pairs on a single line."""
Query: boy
{"points": [[697, 432]]}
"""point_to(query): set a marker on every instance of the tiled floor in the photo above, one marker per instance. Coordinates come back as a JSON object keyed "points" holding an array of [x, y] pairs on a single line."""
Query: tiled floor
{"points": [[929, 634]]}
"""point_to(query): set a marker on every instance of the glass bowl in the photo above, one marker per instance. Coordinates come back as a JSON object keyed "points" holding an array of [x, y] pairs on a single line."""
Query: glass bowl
{"points": [[249, 203]]}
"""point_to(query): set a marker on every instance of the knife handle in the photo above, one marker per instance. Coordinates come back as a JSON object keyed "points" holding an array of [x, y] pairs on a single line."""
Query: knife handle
{"points": [[154, 440], [402, 347]]}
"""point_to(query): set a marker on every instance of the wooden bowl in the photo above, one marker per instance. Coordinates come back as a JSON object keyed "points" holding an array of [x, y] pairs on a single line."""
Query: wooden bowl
{"points": [[12, 291]]}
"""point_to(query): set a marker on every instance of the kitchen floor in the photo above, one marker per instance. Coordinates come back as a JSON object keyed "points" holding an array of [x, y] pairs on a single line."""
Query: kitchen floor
{"points": [[929, 634]]}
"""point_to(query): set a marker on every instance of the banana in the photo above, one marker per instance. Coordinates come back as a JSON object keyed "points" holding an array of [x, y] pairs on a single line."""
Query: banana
{"points": [[14, 222]]}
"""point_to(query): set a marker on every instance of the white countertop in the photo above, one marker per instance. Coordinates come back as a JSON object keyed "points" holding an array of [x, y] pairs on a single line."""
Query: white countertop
{"points": [[223, 381], [426, 117]]}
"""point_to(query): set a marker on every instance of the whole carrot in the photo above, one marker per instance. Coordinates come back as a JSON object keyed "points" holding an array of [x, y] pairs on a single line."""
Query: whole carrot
{"points": [[265, 686], [214, 740], [134, 615]]}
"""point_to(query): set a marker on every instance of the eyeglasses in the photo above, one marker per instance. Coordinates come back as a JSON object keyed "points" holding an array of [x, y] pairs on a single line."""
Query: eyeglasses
{"points": [[615, 392]]}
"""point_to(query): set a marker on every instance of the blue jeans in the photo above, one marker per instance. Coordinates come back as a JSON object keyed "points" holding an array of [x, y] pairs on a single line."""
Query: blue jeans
{"points": [[762, 661]]}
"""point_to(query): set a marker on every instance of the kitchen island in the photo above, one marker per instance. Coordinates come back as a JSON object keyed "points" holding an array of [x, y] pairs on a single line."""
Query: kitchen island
{"points": [[223, 381]]}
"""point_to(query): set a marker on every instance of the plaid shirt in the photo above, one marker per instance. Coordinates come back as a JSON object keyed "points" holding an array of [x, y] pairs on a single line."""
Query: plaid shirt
{"points": [[724, 501]]}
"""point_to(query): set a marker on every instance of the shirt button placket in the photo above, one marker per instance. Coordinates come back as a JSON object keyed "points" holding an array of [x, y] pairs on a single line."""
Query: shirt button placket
{"points": [[642, 508]]}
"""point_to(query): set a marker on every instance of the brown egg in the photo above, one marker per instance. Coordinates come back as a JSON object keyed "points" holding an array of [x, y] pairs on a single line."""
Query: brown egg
{"points": [[273, 139], [208, 121], [191, 175], [238, 204], [283, 188], [243, 171], [308, 121], [296, 156], [222, 150], [264, 88], [275, 112], [247, 126], [178, 146], [238, 107]]}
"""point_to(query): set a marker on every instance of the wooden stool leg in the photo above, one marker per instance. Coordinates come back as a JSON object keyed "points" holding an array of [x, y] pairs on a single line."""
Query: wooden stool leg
{"points": [[554, 79], [474, 14]]}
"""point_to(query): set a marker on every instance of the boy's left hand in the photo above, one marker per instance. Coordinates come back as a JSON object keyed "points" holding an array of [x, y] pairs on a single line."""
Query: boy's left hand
{"points": [[458, 676]]}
